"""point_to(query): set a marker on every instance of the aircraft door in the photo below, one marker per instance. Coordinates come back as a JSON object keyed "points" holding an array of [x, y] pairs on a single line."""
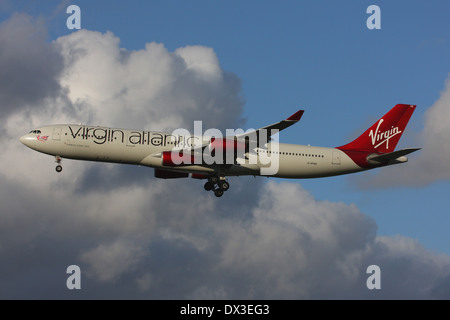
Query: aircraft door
{"points": [[57, 134], [336, 157]]}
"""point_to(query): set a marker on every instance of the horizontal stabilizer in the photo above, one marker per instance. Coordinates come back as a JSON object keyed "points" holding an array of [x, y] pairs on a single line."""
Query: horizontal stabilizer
{"points": [[392, 157]]}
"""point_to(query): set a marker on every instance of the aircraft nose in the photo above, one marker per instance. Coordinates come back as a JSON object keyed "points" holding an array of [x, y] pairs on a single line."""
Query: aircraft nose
{"points": [[26, 139], [22, 139]]}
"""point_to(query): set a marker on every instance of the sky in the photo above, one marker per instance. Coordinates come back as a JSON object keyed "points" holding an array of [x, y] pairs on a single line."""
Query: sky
{"points": [[161, 65]]}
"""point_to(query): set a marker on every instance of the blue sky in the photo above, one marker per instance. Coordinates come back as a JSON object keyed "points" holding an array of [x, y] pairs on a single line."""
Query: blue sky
{"points": [[313, 55]]}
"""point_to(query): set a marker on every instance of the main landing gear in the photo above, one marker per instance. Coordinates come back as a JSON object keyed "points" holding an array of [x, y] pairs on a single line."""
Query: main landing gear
{"points": [[58, 161], [217, 184]]}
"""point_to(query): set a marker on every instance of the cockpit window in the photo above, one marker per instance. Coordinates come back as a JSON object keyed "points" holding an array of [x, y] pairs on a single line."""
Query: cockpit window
{"points": [[36, 131]]}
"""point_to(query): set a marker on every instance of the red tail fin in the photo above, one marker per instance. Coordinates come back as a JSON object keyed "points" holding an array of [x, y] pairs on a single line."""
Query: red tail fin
{"points": [[383, 136]]}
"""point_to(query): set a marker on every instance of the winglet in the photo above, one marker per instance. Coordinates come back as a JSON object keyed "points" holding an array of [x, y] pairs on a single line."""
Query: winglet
{"points": [[296, 116]]}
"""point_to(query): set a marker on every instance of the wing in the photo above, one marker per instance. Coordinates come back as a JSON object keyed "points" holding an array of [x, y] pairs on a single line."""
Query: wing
{"points": [[276, 127], [242, 140], [236, 145]]}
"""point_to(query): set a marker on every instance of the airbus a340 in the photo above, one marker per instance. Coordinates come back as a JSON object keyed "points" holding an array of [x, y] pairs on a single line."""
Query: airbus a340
{"points": [[214, 157]]}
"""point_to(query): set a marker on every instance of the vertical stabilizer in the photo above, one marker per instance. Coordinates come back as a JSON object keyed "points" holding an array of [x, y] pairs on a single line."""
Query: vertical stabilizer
{"points": [[383, 135]]}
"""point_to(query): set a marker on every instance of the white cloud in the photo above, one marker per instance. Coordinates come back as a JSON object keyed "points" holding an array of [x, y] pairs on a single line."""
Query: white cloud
{"points": [[107, 262], [298, 247], [149, 88], [203, 61]]}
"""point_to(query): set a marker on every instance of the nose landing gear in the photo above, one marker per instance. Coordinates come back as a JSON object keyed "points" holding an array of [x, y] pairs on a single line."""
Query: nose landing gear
{"points": [[58, 161], [217, 184]]}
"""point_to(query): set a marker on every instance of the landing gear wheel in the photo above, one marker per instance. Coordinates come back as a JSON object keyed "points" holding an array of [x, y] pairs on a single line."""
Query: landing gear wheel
{"points": [[213, 179], [209, 186], [223, 185], [218, 184], [58, 160]]}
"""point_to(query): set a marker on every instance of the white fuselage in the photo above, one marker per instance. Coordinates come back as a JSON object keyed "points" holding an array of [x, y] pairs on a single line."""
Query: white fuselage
{"points": [[145, 147]]}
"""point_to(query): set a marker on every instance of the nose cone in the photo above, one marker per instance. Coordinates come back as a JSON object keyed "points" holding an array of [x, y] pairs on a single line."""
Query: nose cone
{"points": [[27, 140], [23, 139]]}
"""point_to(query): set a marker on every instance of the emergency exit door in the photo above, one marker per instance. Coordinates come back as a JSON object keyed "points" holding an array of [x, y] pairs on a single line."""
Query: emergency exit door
{"points": [[336, 157], [57, 133]]}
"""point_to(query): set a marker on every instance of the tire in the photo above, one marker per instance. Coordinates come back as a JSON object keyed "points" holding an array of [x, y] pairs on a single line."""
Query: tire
{"points": [[58, 168], [224, 185], [214, 179], [218, 193], [209, 186]]}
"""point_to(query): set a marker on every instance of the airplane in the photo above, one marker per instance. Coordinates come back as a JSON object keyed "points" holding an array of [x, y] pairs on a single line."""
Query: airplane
{"points": [[215, 157]]}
